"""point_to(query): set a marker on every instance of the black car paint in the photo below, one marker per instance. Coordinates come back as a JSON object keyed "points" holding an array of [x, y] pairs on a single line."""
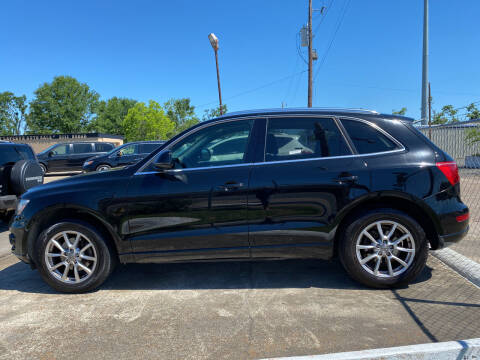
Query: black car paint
{"points": [[114, 160], [292, 209]]}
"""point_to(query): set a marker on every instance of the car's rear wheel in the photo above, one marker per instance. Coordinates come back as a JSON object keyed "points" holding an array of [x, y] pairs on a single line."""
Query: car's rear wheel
{"points": [[103, 167], [383, 248], [73, 257]]}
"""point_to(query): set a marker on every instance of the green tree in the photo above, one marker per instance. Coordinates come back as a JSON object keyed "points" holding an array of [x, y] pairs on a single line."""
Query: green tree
{"points": [[473, 136], [472, 112], [402, 111], [447, 115], [214, 112], [147, 122], [182, 113], [63, 106], [13, 110], [110, 115]]}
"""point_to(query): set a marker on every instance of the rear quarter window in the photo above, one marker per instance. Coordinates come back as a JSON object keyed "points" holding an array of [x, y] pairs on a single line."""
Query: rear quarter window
{"points": [[26, 152], [9, 155], [366, 138]]}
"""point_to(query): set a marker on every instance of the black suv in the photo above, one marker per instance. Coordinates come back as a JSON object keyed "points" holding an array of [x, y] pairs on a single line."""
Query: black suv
{"points": [[19, 171], [273, 184], [123, 155], [70, 156]]}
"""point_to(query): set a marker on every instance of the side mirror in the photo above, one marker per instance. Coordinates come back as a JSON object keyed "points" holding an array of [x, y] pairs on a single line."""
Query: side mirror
{"points": [[51, 153], [164, 161], [205, 155], [119, 154]]}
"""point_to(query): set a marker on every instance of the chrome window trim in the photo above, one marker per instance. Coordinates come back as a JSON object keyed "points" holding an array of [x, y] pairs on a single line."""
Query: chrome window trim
{"points": [[193, 169], [267, 117]]}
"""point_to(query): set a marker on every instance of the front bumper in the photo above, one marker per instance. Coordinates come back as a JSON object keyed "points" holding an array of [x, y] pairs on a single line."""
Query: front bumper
{"points": [[8, 202], [18, 240]]}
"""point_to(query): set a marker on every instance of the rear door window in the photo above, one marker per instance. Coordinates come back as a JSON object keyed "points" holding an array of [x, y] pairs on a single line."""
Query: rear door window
{"points": [[148, 148], [366, 138], [103, 147], [82, 148], [302, 138]]}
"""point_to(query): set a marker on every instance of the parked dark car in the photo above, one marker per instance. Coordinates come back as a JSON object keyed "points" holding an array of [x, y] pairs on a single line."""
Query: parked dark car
{"points": [[71, 156], [273, 184], [19, 171], [123, 155]]}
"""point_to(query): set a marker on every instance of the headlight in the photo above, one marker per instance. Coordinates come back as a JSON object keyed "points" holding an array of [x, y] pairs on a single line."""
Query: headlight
{"points": [[21, 206], [86, 163]]}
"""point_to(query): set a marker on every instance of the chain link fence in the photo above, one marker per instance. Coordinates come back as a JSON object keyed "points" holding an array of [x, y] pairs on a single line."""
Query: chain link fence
{"points": [[452, 138]]}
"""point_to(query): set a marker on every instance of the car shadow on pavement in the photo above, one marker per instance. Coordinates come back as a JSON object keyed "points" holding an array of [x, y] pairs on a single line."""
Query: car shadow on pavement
{"points": [[211, 275]]}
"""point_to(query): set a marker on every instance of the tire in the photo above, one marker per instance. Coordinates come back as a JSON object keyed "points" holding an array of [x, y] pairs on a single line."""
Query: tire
{"points": [[25, 174], [355, 246], [103, 167], [100, 250], [44, 168]]}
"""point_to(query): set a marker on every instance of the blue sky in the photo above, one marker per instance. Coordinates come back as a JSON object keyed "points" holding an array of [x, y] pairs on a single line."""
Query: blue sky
{"points": [[160, 50]]}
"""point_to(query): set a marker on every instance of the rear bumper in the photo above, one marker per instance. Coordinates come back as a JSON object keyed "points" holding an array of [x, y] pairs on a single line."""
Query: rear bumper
{"points": [[447, 240], [8, 202]]}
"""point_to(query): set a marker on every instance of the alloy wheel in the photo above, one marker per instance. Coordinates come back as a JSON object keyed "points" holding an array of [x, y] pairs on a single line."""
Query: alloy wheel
{"points": [[385, 248], [70, 257]]}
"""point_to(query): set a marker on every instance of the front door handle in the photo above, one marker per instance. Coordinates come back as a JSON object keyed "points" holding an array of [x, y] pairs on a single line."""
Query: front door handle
{"points": [[347, 178], [230, 186]]}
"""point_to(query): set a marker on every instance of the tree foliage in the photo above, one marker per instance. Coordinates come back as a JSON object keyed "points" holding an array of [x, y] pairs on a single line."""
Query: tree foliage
{"points": [[448, 114], [63, 106], [13, 110], [147, 122], [110, 115], [182, 113], [472, 112], [402, 111], [214, 112]]}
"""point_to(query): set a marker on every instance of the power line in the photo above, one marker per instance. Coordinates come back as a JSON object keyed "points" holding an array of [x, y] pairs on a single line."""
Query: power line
{"points": [[339, 23], [254, 89]]}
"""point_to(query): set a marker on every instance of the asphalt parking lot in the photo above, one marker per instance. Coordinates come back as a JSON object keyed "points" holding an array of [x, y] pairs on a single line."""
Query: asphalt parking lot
{"points": [[228, 310]]}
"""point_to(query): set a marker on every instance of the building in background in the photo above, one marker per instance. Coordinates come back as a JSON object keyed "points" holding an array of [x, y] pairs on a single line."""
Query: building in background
{"points": [[41, 142]]}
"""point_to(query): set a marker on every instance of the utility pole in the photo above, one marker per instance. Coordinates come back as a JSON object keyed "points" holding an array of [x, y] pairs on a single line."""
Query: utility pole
{"points": [[425, 63], [310, 54], [429, 112], [214, 42]]}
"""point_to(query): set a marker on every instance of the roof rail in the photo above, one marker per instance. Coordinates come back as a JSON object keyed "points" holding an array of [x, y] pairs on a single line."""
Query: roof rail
{"points": [[289, 110]]}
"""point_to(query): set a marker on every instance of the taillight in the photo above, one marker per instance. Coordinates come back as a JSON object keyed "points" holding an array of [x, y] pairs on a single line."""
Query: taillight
{"points": [[450, 170], [461, 218]]}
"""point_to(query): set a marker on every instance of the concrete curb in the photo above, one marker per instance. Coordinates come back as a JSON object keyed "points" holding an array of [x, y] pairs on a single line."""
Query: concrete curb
{"points": [[462, 349], [467, 268]]}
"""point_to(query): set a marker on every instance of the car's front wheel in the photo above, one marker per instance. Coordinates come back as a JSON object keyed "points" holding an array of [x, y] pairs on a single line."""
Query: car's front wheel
{"points": [[103, 167], [73, 257], [383, 248]]}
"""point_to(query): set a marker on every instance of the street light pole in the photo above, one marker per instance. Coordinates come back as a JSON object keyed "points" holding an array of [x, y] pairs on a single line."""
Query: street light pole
{"points": [[214, 42]]}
